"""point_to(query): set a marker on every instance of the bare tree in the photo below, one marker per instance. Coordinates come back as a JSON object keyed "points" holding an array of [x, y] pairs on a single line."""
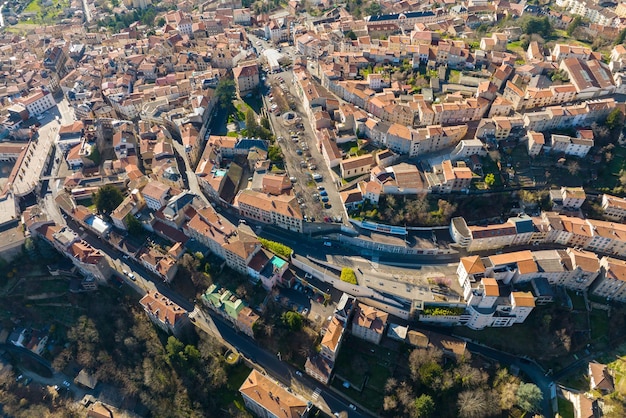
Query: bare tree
{"points": [[470, 377], [390, 403], [573, 168], [564, 339], [391, 385], [472, 403], [405, 395]]}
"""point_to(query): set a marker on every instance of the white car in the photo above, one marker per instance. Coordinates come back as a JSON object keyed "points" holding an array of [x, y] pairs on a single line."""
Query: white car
{"points": [[132, 276], [352, 407], [298, 373]]}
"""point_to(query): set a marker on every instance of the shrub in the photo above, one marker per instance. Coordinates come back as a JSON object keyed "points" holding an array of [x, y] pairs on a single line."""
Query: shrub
{"points": [[441, 311], [276, 247], [348, 275]]}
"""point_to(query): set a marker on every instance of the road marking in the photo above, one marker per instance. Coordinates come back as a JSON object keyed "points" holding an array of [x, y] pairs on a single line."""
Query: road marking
{"points": [[316, 394]]}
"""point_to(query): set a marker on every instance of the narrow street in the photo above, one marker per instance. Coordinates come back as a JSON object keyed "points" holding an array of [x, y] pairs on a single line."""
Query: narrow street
{"points": [[192, 180]]}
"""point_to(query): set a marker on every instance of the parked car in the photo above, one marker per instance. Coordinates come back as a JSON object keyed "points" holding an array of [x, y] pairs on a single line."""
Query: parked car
{"points": [[132, 277], [325, 199], [298, 373], [323, 193], [352, 407]]}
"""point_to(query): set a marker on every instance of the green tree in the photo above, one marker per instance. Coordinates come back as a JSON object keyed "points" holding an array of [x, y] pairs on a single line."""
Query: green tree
{"points": [[348, 276], [192, 354], [429, 372], [275, 154], [576, 22], [134, 225], [292, 320], [615, 119], [423, 407], [529, 397], [161, 22], [265, 123], [373, 9], [350, 34], [490, 180], [225, 92], [537, 25], [174, 348], [251, 123], [107, 198], [620, 38]]}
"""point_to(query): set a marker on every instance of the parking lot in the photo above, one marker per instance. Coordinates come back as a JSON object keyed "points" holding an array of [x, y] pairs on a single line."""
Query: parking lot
{"points": [[319, 199], [303, 300]]}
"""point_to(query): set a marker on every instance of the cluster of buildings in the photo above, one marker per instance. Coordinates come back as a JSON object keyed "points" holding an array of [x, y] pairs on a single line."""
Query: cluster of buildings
{"points": [[488, 87], [606, 237], [370, 324], [93, 265]]}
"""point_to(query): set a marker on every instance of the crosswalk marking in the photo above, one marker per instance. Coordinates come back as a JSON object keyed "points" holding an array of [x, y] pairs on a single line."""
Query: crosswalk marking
{"points": [[316, 394]]}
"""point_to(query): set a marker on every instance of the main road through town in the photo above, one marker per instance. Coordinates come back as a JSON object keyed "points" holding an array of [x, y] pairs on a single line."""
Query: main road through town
{"points": [[280, 370]]}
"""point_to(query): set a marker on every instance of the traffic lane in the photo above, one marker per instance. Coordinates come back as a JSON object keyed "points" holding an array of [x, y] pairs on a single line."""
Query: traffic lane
{"points": [[296, 241]]}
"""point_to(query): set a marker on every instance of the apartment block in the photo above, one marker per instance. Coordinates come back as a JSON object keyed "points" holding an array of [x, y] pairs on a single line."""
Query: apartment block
{"points": [[282, 211], [267, 399], [164, 313], [614, 207], [369, 323]]}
